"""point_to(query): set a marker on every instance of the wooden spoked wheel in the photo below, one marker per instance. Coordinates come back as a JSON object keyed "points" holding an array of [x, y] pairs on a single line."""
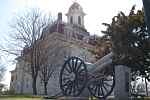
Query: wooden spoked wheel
{"points": [[73, 77], [102, 86]]}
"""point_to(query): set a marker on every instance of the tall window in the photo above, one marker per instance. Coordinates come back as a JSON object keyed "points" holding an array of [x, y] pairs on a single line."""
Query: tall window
{"points": [[79, 20], [12, 78], [27, 81], [71, 20]]}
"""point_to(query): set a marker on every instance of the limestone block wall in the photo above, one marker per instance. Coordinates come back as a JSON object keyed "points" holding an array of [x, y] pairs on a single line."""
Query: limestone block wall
{"points": [[27, 86], [59, 49]]}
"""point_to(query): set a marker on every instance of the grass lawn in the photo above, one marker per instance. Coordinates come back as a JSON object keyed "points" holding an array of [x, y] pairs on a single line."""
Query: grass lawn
{"points": [[28, 97], [22, 97]]}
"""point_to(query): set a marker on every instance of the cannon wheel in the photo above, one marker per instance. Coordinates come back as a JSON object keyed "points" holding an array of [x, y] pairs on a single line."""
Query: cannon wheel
{"points": [[102, 86], [73, 77]]}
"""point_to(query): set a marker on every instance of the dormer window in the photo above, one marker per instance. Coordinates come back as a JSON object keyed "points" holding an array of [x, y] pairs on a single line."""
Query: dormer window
{"points": [[71, 20], [79, 20]]}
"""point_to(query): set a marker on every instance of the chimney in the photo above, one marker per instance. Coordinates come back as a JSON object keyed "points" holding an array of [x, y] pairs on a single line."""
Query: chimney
{"points": [[59, 17]]}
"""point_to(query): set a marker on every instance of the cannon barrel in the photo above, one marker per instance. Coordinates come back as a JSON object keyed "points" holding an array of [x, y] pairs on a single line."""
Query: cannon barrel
{"points": [[103, 63], [76, 74], [102, 77]]}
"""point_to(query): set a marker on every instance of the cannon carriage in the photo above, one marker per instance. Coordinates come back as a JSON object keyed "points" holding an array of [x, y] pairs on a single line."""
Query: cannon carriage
{"points": [[76, 75]]}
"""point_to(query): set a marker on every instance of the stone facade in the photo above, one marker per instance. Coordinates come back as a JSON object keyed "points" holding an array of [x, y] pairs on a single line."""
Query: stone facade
{"points": [[21, 80], [61, 40]]}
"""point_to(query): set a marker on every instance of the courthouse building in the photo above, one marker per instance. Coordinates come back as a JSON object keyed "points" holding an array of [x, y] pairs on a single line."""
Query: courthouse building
{"points": [[62, 39]]}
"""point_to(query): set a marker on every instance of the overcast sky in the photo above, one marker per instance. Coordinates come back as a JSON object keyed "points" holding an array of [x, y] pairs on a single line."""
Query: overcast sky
{"points": [[97, 12]]}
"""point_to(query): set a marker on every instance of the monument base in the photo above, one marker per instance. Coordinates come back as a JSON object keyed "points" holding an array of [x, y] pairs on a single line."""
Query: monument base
{"points": [[122, 82]]}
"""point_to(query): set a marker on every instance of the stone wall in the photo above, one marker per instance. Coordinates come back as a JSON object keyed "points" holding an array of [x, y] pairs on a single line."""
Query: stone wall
{"points": [[59, 49]]}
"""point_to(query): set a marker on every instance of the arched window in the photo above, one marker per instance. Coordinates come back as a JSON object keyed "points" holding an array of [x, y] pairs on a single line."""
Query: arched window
{"points": [[79, 20], [71, 20]]}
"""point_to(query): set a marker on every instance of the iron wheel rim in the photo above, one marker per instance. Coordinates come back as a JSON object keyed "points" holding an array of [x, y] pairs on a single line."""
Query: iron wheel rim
{"points": [[68, 85]]}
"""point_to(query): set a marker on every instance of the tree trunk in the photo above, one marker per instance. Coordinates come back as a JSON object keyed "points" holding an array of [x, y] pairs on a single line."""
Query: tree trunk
{"points": [[146, 6], [34, 86], [45, 88]]}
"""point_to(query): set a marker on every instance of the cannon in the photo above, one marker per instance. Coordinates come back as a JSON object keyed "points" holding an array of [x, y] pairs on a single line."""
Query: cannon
{"points": [[98, 78]]}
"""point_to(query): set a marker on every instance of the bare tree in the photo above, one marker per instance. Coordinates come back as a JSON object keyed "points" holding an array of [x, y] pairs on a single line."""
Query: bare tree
{"points": [[46, 69], [2, 71], [28, 31], [2, 66], [49, 59], [46, 72]]}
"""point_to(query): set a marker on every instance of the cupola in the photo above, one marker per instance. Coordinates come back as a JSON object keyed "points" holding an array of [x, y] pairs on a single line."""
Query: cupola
{"points": [[75, 15]]}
